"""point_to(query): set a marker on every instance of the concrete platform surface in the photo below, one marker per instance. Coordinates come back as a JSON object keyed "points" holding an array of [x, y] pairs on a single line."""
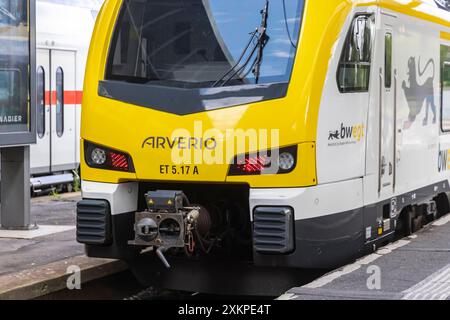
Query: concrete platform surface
{"points": [[35, 263], [414, 268], [40, 231]]}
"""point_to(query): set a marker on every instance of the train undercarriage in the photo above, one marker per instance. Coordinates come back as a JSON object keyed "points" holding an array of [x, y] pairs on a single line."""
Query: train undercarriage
{"points": [[203, 237]]}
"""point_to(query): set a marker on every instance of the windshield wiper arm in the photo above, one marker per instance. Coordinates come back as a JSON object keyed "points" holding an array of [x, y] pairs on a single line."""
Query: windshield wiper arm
{"points": [[262, 40], [7, 13], [242, 67], [253, 34]]}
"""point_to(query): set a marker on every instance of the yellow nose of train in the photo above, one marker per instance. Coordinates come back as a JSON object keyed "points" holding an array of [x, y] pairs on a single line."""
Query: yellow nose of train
{"points": [[211, 106], [217, 146]]}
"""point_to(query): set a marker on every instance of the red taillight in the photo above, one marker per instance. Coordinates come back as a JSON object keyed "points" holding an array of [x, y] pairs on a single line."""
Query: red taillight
{"points": [[252, 164], [119, 161]]}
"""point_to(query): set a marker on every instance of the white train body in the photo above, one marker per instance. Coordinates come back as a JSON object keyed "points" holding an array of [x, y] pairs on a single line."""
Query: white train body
{"points": [[390, 144], [64, 29]]}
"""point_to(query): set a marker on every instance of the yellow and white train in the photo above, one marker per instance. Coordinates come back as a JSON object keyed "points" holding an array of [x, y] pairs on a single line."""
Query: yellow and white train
{"points": [[241, 141]]}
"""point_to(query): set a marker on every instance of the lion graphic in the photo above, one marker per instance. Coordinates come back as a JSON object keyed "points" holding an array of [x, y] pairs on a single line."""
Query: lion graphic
{"points": [[419, 94], [333, 135]]}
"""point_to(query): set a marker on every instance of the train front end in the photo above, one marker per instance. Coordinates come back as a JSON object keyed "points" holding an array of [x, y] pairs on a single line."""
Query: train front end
{"points": [[198, 130]]}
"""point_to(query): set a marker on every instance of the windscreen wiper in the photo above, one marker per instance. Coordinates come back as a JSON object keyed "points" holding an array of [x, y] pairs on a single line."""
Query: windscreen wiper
{"points": [[7, 13], [233, 68], [263, 39], [261, 42]]}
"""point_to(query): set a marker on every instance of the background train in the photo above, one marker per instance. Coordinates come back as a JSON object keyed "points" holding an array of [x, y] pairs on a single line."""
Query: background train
{"points": [[64, 29]]}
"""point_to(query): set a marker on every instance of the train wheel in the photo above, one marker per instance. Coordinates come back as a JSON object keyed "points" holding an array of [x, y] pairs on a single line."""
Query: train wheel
{"points": [[417, 223], [409, 225], [442, 204], [405, 225]]}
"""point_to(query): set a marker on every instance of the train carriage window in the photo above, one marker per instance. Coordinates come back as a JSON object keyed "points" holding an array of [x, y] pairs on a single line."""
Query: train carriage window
{"points": [[445, 88], [40, 87], [446, 97], [388, 60], [59, 101], [354, 66]]}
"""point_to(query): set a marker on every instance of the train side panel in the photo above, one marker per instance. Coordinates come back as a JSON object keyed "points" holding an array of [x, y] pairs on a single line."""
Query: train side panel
{"points": [[418, 103]]}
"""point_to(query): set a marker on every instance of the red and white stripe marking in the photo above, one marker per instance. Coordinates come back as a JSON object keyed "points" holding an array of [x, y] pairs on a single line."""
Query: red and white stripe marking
{"points": [[70, 97]]}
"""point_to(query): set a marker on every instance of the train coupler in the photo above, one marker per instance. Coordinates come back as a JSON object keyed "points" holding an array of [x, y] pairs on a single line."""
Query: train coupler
{"points": [[168, 222]]}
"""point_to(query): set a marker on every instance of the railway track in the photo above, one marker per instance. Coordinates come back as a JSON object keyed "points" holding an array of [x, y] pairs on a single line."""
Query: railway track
{"points": [[123, 286]]}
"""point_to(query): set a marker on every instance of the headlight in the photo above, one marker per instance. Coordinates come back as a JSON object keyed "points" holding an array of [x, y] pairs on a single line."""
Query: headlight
{"points": [[286, 161], [275, 161], [98, 156]]}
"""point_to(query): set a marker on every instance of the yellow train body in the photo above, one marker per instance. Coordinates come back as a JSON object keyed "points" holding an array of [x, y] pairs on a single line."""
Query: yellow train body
{"points": [[124, 126]]}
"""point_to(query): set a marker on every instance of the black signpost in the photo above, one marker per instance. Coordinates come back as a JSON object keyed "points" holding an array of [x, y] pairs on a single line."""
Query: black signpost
{"points": [[17, 109]]}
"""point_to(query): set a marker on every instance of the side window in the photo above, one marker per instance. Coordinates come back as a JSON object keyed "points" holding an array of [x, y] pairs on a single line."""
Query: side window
{"points": [[445, 87], [40, 87], [388, 60], [354, 66], [59, 101]]}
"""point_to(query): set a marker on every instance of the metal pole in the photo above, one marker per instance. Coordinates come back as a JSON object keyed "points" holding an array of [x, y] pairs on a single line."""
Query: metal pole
{"points": [[15, 188]]}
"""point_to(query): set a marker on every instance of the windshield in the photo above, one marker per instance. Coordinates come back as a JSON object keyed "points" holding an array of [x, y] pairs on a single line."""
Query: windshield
{"points": [[205, 43]]}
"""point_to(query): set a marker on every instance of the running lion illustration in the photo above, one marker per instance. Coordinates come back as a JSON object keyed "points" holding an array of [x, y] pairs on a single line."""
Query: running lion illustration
{"points": [[417, 95]]}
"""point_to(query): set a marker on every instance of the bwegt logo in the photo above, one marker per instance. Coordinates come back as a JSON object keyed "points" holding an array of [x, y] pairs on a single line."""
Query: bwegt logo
{"points": [[214, 146], [347, 134]]}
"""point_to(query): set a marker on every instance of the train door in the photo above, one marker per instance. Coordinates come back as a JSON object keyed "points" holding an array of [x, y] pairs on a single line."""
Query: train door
{"points": [[63, 115], [40, 152], [387, 100]]}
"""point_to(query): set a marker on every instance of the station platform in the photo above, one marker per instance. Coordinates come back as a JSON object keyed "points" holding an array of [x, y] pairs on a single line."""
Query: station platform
{"points": [[35, 263], [414, 268]]}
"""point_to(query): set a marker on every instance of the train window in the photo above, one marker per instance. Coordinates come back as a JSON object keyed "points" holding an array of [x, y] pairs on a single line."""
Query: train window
{"points": [[59, 101], [388, 60], [354, 66], [445, 88], [189, 44], [446, 97], [40, 87]]}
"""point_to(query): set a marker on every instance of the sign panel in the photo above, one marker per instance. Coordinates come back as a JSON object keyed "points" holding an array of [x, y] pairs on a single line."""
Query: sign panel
{"points": [[17, 76]]}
